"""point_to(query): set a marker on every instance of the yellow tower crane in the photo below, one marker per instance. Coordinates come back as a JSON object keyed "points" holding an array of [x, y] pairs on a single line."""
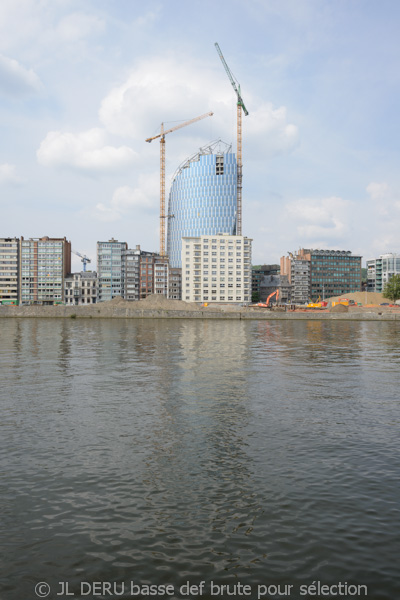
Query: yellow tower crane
{"points": [[240, 107], [162, 171]]}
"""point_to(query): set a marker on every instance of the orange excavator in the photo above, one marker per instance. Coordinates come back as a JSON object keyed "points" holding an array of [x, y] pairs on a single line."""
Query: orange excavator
{"points": [[266, 304]]}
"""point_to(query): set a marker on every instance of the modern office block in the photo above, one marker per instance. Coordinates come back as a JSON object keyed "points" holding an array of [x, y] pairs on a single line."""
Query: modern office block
{"points": [[322, 274]]}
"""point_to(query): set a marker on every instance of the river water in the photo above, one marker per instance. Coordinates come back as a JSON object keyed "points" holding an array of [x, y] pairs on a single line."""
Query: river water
{"points": [[162, 452]]}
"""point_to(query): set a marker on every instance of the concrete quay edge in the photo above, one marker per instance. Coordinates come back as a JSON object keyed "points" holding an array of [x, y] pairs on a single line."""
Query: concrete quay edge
{"points": [[79, 312]]}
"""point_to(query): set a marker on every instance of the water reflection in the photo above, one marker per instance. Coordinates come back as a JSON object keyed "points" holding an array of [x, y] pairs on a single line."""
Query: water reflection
{"points": [[179, 450]]}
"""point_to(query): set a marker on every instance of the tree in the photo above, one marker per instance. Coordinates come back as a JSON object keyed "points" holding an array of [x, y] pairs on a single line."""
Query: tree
{"points": [[392, 288]]}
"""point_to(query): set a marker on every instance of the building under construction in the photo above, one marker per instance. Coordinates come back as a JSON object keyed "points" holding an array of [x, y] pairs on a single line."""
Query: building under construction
{"points": [[203, 197]]}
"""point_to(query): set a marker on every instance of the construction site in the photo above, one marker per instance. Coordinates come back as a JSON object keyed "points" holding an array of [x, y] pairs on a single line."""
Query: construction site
{"points": [[376, 308]]}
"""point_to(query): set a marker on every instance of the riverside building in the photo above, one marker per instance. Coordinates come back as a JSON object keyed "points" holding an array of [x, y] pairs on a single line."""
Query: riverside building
{"points": [[81, 288], [110, 269], [203, 198], [132, 274], [381, 270], [316, 274], [9, 268], [44, 264], [153, 274], [216, 268]]}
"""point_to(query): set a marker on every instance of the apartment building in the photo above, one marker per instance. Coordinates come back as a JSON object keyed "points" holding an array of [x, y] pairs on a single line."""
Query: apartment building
{"points": [[381, 270], [131, 273], [44, 264], [110, 269], [300, 273], [175, 283], [153, 274], [80, 288], [216, 268], [9, 268]]}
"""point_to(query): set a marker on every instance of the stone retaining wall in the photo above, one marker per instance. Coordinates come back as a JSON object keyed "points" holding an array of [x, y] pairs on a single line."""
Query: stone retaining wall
{"points": [[114, 312]]}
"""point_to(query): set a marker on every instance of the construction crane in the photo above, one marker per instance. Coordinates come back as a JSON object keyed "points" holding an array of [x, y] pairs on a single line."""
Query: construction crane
{"points": [[240, 107], [85, 259], [162, 135]]}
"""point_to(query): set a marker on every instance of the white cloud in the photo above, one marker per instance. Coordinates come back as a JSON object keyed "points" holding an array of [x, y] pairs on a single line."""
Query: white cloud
{"points": [[271, 125], [321, 220], [160, 89], [78, 26], [8, 174], [164, 88], [106, 214], [378, 191], [86, 151], [383, 212], [125, 199], [15, 79], [384, 197]]}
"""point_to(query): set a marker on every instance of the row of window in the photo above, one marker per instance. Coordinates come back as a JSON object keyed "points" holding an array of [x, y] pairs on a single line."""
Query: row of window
{"points": [[220, 299]]}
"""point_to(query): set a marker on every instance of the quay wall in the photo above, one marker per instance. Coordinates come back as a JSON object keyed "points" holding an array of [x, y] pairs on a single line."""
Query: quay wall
{"points": [[98, 311]]}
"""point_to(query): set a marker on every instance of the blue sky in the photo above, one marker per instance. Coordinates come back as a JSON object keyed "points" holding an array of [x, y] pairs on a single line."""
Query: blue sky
{"points": [[84, 83]]}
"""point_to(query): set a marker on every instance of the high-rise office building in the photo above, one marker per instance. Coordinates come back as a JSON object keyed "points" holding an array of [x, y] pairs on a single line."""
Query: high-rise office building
{"points": [[203, 198]]}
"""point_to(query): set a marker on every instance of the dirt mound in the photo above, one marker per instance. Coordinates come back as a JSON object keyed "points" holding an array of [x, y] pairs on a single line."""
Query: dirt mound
{"points": [[117, 301], [362, 298], [152, 302], [339, 308]]}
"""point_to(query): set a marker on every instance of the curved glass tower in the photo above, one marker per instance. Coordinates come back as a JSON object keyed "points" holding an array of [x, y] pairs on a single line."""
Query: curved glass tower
{"points": [[202, 199]]}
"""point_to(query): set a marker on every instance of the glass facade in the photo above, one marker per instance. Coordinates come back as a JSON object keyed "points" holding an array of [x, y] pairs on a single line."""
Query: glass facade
{"points": [[202, 199], [334, 273]]}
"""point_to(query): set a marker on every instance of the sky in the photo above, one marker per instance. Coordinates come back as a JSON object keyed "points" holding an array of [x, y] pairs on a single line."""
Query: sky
{"points": [[83, 83]]}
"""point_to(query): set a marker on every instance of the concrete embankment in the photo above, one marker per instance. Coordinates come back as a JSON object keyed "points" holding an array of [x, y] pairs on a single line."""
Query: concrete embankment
{"points": [[120, 310]]}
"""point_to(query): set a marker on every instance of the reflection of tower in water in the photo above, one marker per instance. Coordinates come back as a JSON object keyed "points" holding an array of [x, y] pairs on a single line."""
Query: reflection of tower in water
{"points": [[200, 465]]}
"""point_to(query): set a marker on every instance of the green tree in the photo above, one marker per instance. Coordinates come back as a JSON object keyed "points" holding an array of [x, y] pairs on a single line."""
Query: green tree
{"points": [[392, 288]]}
